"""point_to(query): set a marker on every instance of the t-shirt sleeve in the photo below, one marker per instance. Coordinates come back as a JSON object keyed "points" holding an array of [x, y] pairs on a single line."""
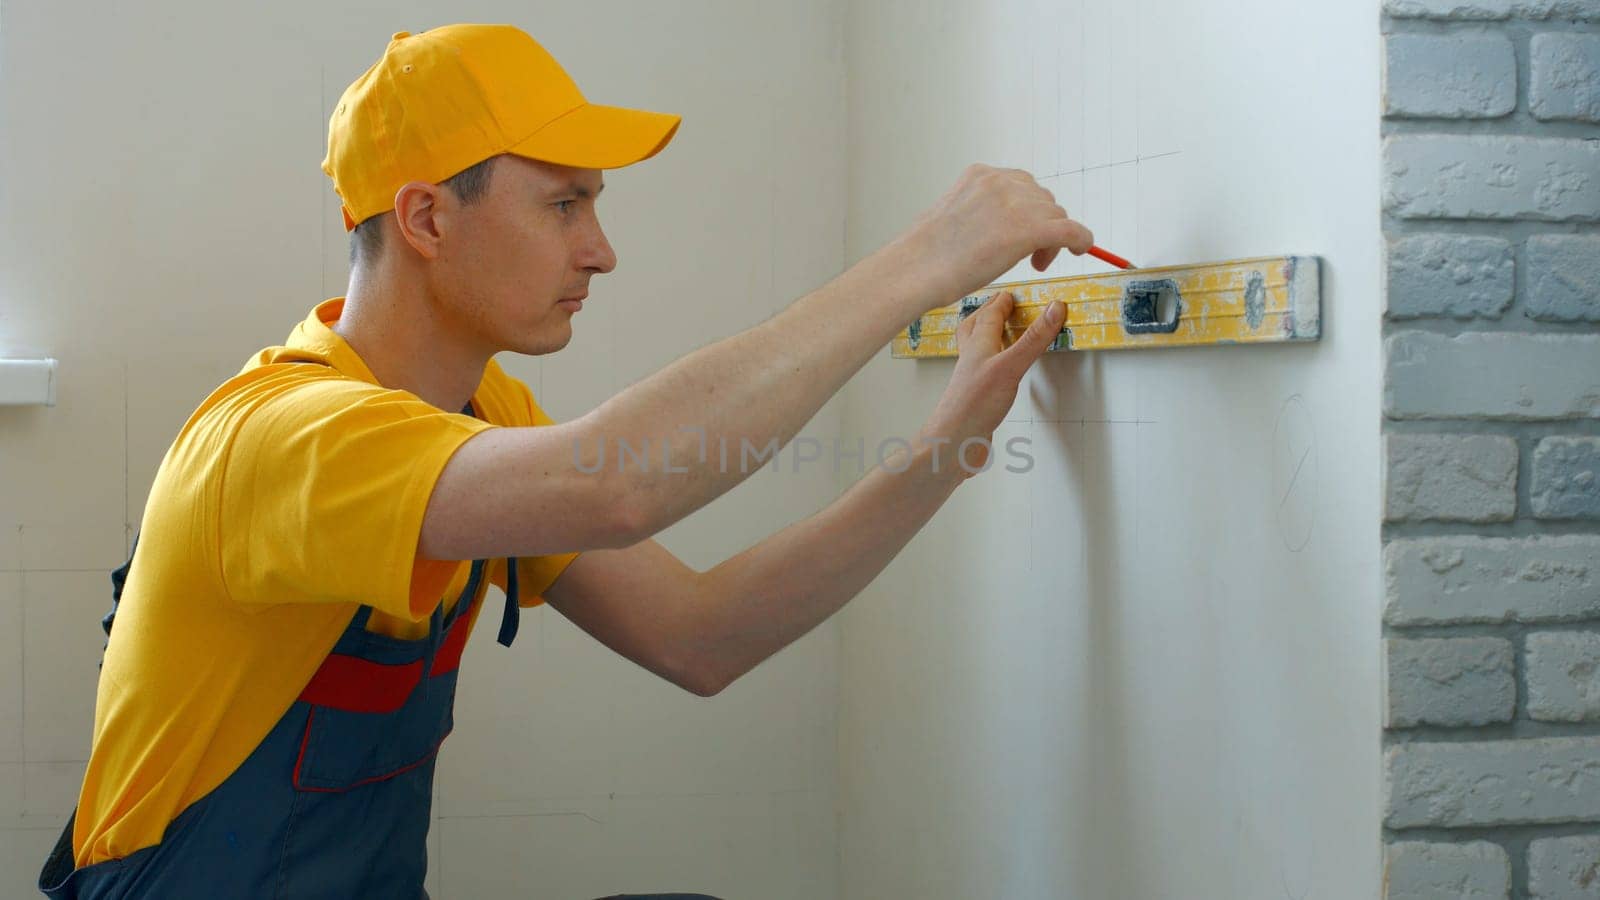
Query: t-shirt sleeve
{"points": [[323, 496], [535, 574]]}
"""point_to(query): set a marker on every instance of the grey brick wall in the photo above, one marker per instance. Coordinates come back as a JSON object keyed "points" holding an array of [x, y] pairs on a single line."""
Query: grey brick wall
{"points": [[1562, 272], [1564, 868], [1450, 681], [1460, 276], [1566, 478], [1491, 420], [1450, 477], [1461, 580], [1420, 871], [1565, 76], [1468, 76], [1509, 782], [1492, 376], [1471, 176], [1471, 10], [1564, 676]]}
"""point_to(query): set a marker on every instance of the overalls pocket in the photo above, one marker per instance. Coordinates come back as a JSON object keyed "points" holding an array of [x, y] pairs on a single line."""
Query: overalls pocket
{"points": [[381, 706], [344, 749], [375, 714]]}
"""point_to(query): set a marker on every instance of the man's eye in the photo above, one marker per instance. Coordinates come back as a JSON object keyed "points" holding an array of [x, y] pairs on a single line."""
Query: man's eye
{"points": [[565, 205]]}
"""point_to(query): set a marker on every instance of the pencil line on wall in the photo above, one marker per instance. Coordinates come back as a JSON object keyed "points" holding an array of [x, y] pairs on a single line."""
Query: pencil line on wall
{"points": [[1120, 162], [1037, 421]]}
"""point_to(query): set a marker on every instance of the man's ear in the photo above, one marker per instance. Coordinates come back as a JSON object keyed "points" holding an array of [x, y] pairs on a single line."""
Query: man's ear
{"points": [[415, 208]]}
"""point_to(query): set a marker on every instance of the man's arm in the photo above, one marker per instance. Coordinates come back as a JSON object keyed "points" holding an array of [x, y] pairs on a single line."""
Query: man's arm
{"points": [[702, 631], [520, 491]]}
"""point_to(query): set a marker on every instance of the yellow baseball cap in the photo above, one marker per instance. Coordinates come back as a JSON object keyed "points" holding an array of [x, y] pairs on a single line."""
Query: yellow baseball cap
{"points": [[443, 100]]}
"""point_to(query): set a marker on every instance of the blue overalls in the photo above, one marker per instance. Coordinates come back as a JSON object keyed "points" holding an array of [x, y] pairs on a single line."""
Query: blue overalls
{"points": [[335, 801]]}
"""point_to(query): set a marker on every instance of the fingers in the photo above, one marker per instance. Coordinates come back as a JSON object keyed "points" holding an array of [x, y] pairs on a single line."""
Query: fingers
{"points": [[1020, 355], [1060, 229], [979, 170], [1073, 236], [1005, 212], [1061, 232], [965, 328], [985, 328], [995, 313]]}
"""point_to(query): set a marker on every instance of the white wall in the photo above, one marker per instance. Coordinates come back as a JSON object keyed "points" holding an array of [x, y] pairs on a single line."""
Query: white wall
{"points": [[165, 216], [1148, 668]]}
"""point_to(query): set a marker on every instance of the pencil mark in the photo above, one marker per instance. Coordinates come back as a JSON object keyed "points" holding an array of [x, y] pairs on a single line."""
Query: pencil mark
{"points": [[1121, 162], [1294, 437]]}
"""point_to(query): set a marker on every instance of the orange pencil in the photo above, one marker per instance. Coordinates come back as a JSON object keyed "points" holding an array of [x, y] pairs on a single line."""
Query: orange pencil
{"points": [[1111, 258]]}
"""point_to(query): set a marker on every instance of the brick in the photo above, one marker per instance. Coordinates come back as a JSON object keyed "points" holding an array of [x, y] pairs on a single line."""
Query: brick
{"points": [[1513, 782], [1448, 9], [1581, 10], [1450, 681], [1563, 277], [1450, 275], [1566, 478], [1459, 580], [1456, 478], [1466, 76], [1491, 177], [1584, 10], [1417, 870], [1565, 868], [1564, 76], [1563, 674], [1491, 376]]}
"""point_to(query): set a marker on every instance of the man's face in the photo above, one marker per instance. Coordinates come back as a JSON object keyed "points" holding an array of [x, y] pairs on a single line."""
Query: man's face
{"points": [[515, 265]]}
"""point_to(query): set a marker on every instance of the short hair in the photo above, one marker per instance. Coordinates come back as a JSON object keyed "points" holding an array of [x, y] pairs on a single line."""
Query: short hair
{"points": [[469, 186]]}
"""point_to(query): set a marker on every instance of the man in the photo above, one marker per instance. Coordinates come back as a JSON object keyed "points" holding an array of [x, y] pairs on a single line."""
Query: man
{"points": [[319, 537]]}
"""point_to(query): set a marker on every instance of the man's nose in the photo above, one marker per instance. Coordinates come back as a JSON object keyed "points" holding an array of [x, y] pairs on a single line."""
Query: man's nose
{"points": [[596, 254]]}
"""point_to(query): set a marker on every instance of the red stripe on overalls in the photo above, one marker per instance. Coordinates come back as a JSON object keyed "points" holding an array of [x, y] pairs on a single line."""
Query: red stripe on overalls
{"points": [[448, 657], [359, 685]]}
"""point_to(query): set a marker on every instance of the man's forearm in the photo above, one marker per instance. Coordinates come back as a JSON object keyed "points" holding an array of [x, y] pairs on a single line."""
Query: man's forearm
{"points": [[768, 596], [702, 418]]}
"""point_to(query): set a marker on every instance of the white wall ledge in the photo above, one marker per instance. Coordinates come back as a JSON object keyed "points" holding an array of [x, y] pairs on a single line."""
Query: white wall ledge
{"points": [[27, 382]]}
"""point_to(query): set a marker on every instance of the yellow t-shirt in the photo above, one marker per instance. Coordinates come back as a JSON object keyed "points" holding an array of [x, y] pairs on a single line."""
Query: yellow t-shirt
{"points": [[292, 496]]}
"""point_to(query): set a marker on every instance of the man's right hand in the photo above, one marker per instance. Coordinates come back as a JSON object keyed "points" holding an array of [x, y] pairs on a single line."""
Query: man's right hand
{"points": [[985, 224]]}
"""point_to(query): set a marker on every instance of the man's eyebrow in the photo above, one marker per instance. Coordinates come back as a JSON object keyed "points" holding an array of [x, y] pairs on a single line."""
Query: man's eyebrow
{"points": [[578, 190]]}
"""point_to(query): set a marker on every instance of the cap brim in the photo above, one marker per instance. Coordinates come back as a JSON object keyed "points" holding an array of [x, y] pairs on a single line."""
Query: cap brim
{"points": [[600, 137]]}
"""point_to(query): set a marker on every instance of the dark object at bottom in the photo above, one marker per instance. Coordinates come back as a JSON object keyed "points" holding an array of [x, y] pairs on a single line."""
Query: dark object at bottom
{"points": [[660, 897]]}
